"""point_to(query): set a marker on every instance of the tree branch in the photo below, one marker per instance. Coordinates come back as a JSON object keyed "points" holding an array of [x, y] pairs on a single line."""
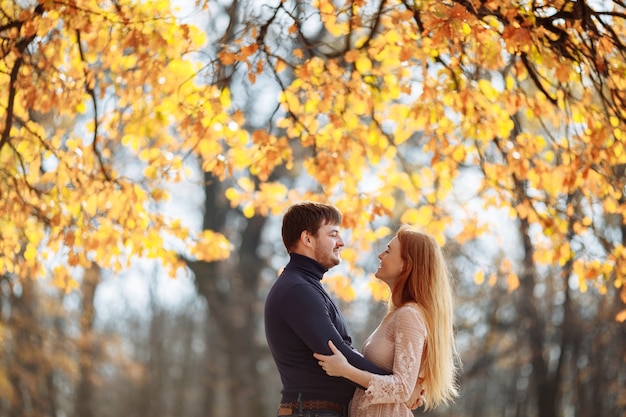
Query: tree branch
{"points": [[90, 90]]}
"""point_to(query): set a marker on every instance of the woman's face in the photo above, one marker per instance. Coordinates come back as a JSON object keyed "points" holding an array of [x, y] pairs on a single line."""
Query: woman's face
{"points": [[390, 263]]}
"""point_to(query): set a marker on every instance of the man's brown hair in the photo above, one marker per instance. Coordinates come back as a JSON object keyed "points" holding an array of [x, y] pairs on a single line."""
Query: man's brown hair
{"points": [[309, 216]]}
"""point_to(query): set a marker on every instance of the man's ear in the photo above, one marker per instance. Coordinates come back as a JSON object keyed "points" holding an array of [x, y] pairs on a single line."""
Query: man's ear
{"points": [[305, 238]]}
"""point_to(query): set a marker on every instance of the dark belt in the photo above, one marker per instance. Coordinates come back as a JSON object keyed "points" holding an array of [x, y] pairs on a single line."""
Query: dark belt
{"points": [[314, 405]]}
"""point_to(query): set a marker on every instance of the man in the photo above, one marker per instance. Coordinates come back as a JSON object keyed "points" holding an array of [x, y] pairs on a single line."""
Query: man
{"points": [[300, 316]]}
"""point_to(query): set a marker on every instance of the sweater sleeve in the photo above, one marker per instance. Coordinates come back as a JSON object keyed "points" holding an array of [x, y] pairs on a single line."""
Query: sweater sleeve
{"points": [[409, 341], [312, 321]]}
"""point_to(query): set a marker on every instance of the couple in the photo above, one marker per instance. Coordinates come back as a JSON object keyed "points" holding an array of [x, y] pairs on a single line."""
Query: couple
{"points": [[410, 358]]}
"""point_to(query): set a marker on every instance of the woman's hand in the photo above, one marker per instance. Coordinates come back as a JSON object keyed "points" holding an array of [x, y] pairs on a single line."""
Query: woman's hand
{"points": [[335, 364], [421, 400]]}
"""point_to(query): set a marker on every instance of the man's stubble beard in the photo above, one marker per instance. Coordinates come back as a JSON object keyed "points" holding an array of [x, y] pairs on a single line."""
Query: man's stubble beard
{"points": [[328, 260]]}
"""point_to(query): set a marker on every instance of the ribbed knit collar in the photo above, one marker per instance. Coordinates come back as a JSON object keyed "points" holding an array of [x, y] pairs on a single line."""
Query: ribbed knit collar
{"points": [[308, 266]]}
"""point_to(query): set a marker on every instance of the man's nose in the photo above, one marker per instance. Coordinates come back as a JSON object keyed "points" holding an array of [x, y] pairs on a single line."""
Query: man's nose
{"points": [[340, 242]]}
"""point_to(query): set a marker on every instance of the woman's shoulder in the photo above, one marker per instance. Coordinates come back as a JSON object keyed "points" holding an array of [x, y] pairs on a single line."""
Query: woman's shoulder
{"points": [[409, 318], [411, 306], [411, 311]]}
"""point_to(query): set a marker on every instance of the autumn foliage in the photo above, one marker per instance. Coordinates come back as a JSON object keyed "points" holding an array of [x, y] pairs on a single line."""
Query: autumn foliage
{"points": [[99, 107], [390, 107]]}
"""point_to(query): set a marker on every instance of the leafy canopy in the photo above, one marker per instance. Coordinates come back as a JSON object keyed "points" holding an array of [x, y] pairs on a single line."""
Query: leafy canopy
{"points": [[99, 106], [400, 101], [388, 107]]}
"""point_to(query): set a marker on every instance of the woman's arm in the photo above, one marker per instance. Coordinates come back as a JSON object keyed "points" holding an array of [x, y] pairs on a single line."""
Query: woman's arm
{"points": [[337, 365], [403, 385]]}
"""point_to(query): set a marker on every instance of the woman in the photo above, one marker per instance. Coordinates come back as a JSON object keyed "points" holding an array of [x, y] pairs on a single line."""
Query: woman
{"points": [[415, 340]]}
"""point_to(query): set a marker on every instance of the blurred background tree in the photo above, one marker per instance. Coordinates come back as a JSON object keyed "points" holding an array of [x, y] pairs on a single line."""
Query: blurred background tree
{"points": [[141, 140]]}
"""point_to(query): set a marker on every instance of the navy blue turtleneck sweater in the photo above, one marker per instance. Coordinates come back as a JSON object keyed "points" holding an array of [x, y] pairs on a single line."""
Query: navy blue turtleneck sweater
{"points": [[300, 318]]}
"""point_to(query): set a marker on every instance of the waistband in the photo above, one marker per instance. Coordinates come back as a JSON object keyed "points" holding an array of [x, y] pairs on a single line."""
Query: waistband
{"points": [[285, 409]]}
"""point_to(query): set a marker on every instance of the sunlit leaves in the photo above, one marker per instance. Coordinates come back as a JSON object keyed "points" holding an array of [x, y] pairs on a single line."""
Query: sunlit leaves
{"points": [[449, 82], [341, 286], [380, 291], [212, 245], [335, 21], [125, 69], [268, 199], [385, 120]]}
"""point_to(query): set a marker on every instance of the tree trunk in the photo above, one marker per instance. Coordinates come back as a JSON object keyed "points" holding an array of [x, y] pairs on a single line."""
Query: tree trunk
{"points": [[533, 330], [31, 372], [86, 345], [231, 289]]}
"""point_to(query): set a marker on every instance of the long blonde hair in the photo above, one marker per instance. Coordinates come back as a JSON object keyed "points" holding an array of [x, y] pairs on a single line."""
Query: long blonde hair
{"points": [[426, 281]]}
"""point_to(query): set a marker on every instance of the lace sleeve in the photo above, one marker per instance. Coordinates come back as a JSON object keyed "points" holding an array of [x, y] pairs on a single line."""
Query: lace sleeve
{"points": [[409, 335]]}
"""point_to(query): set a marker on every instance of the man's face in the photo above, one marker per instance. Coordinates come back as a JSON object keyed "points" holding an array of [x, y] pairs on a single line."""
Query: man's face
{"points": [[328, 243]]}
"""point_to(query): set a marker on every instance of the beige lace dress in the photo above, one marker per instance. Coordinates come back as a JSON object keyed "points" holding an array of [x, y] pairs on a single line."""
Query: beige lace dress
{"points": [[397, 345]]}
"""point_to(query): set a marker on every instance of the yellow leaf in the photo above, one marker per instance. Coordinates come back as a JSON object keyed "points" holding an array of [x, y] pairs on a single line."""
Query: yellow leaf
{"points": [[248, 211], [577, 115], [225, 97], [488, 89], [522, 210], [91, 204], [420, 216], [512, 282], [349, 254], [467, 29], [280, 66], [363, 64], [479, 278], [341, 286], [459, 153], [63, 280], [387, 201], [381, 232], [212, 246], [326, 7], [30, 254], [72, 143], [379, 290], [510, 83], [246, 184]]}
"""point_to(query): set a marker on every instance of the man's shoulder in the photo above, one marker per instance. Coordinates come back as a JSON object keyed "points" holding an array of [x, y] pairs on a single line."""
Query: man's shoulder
{"points": [[294, 282]]}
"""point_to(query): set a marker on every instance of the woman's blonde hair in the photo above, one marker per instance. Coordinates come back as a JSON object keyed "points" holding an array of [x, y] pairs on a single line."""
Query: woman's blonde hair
{"points": [[425, 280]]}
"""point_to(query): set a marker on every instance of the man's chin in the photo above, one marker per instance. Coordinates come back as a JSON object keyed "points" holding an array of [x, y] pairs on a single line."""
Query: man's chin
{"points": [[333, 262]]}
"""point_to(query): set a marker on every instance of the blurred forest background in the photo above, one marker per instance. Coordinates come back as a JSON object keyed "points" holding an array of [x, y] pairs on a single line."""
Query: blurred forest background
{"points": [[147, 151]]}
